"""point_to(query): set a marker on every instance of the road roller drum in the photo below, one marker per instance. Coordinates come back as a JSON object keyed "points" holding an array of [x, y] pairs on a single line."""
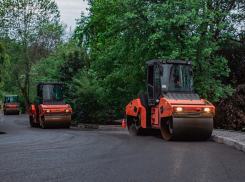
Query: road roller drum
{"points": [[187, 129], [56, 121], [12, 111]]}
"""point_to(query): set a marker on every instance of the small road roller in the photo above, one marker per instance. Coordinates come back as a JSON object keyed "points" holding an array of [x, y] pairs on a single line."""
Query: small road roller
{"points": [[170, 105], [50, 111], [11, 105]]}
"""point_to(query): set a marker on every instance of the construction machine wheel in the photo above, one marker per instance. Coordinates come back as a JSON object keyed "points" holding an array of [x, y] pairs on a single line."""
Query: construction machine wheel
{"points": [[42, 123], [134, 125], [32, 124], [166, 128], [196, 129], [43, 126]]}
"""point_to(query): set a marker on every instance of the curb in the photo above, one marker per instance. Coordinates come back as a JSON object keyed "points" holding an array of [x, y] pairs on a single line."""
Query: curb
{"points": [[229, 142], [112, 128], [102, 127]]}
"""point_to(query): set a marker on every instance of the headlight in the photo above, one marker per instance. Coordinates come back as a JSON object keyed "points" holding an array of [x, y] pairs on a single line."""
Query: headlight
{"points": [[206, 109], [48, 111], [67, 110], [178, 109]]}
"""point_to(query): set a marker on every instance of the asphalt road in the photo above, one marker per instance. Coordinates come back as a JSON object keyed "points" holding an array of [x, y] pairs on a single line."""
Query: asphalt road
{"points": [[76, 154]]}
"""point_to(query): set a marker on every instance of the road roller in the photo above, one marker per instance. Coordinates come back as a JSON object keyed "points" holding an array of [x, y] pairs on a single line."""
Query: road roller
{"points": [[170, 106], [11, 105], [50, 111]]}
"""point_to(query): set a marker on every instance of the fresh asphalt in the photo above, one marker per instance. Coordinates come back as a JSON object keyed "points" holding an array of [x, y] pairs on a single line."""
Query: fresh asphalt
{"points": [[77, 154]]}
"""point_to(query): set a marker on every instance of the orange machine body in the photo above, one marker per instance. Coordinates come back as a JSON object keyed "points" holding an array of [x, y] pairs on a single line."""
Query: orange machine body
{"points": [[12, 105], [167, 108], [49, 109]]}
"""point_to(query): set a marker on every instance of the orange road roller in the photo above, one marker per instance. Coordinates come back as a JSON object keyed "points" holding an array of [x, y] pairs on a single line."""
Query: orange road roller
{"points": [[170, 104], [50, 111], [11, 105]]}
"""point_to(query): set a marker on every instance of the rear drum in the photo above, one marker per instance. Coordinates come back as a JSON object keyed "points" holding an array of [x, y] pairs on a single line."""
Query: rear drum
{"points": [[134, 126]]}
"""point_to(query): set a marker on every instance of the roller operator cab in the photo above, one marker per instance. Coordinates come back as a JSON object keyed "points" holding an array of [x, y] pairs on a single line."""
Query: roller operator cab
{"points": [[170, 104], [50, 111], [11, 105]]}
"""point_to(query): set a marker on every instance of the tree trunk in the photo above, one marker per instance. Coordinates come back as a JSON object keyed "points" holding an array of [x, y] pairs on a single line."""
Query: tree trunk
{"points": [[27, 101], [24, 91]]}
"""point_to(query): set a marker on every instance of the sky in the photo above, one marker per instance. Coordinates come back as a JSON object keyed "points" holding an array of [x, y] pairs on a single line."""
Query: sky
{"points": [[71, 10]]}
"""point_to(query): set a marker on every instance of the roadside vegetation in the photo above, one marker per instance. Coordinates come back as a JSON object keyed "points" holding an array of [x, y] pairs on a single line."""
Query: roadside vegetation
{"points": [[103, 63]]}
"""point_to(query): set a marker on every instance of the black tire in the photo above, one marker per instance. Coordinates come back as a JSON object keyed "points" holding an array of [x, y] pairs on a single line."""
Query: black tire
{"points": [[43, 126], [134, 125], [31, 121], [42, 123], [166, 128], [32, 124]]}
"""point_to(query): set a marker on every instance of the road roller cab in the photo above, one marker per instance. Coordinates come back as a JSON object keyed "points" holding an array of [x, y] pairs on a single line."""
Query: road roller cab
{"points": [[50, 111], [11, 105], [170, 104]]}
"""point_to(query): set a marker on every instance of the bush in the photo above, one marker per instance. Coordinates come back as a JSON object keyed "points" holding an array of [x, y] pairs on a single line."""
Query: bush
{"points": [[230, 112], [86, 98]]}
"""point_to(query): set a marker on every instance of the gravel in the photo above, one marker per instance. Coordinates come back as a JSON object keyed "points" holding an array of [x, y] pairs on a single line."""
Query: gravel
{"points": [[231, 138], [233, 135]]}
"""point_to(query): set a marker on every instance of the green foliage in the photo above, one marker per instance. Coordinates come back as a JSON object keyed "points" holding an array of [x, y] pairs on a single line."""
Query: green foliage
{"points": [[103, 65], [4, 68], [123, 35], [235, 54], [30, 30], [87, 101], [66, 64]]}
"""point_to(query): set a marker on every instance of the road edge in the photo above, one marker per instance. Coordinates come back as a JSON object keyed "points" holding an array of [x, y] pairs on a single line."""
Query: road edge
{"points": [[101, 127], [227, 141], [215, 138]]}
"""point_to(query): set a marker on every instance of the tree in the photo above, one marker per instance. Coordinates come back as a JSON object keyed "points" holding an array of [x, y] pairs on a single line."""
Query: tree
{"points": [[4, 66], [234, 53], [34, 30], [122, 36]]}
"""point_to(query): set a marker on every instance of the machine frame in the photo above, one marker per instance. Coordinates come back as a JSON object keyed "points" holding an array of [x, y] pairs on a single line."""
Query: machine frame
{"points": [[178, 115], [51, 113], [9, 107]]}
